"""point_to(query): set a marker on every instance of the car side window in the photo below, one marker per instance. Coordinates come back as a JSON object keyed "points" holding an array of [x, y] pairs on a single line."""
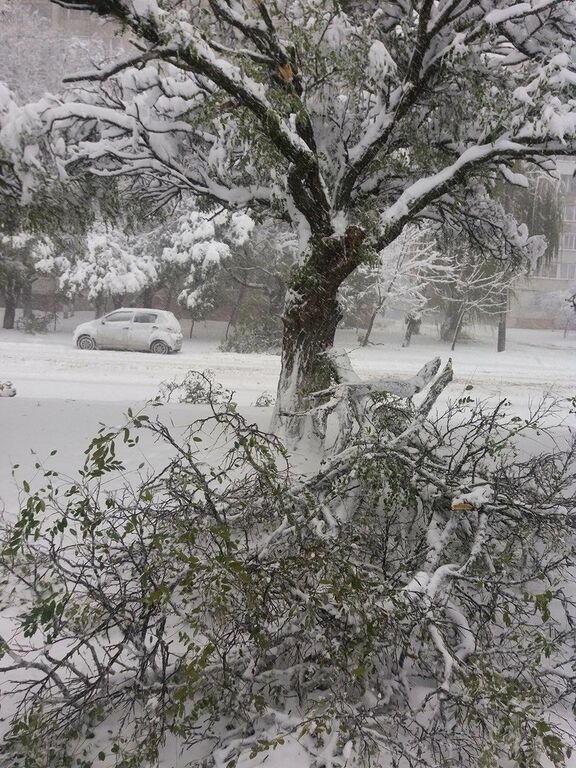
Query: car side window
{"points": [[145, 317], [119, 317]]}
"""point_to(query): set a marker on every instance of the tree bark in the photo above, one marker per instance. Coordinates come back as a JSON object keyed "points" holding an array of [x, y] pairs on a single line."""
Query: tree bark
{"points": [[309, 330], [311, 316], [9, 312]]}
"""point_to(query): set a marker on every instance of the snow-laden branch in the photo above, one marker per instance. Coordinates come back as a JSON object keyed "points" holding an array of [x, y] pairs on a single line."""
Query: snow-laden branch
{"points": [[112, 69], [187, 48], [450, 28], [422, 192], [518, 11], [359, 390]]}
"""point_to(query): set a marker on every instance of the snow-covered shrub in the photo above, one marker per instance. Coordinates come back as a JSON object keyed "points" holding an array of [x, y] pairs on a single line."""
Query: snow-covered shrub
{"points": [[247, 339], [402, 605], [35, 322], [7, 389], [197, 388], [265, 400]]}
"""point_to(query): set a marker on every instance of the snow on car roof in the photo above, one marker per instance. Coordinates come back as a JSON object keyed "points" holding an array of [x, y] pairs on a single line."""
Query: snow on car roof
{"points": [[142, 309]]}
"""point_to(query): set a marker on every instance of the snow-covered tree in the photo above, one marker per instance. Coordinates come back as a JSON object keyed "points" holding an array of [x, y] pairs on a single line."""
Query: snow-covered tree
{"points": [[476, 288], [559, 306], [20, 254], [110, 265], [26, 162], [35, 55], [401, 277], [213, 254], [200, 246], [351, 120], [479, 278]]}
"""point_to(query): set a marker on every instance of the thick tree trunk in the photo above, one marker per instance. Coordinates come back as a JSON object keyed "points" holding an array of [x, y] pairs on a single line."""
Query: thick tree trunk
{"points": [[309, 330], [311, 316], [9, 312]]}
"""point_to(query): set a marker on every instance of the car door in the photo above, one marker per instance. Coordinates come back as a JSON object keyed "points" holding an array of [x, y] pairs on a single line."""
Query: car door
{"points": [[141, 330], [113, 332]]}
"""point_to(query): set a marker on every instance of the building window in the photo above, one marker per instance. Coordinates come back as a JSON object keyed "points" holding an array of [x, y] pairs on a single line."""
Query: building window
{"points": [[569, 241], [570, 212], [558, 271], [567, 271], [548, 270]]}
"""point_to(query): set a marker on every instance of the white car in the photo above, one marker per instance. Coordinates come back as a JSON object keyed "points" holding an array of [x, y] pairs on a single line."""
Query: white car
{"points": [[142, 330]]}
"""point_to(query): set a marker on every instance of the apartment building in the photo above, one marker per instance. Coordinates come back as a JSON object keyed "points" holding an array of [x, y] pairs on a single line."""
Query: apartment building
{"points": [[540, 300]]}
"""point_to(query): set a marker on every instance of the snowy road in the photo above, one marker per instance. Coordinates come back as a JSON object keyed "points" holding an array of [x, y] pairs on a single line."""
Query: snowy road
{"points": [[50, 367], [64, 394], [58, 370]]}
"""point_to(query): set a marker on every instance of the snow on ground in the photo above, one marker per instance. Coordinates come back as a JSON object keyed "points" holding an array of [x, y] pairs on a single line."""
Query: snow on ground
{"points": [[49, 366], [64, 394]]}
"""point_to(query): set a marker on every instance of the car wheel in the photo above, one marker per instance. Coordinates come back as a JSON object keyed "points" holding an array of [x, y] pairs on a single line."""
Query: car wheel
{"points": [[159, 347], [86, 342]]}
